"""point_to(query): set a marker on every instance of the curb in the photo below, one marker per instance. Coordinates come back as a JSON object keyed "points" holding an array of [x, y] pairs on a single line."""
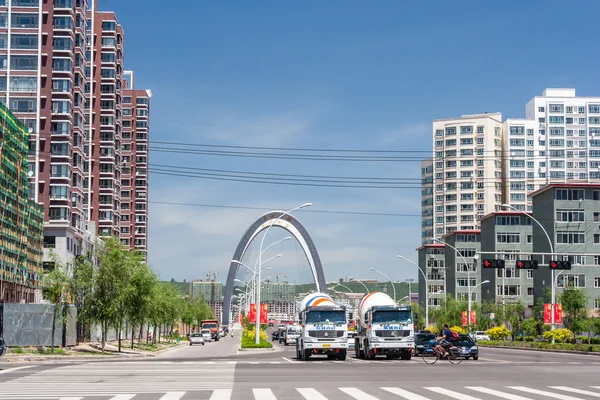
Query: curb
{"points": [[259, 350], [588, 353], [153, 354]]}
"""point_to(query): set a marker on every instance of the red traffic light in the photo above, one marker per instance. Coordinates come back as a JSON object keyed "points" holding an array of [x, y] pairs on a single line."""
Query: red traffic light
{"points": [[553, 264], [560, 265], [487, 263], [527, 264], [491, 263], [520, 264]]}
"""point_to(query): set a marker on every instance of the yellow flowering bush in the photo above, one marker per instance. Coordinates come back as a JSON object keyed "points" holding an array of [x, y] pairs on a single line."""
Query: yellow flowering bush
{"points": [[251, 334], [459, 329], [561, 335], [498, 333], [433, 329]]}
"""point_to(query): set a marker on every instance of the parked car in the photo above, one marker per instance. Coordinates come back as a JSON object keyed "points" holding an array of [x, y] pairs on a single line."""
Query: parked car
{"points": [[467, 346], [196, 338], [422, 343], [206, 334], [480, 335], [2, 347]]}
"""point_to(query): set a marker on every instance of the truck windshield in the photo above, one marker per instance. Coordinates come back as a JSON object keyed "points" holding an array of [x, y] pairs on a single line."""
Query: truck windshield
{"points": [[326, 317], [209, 326], [392, 316]]}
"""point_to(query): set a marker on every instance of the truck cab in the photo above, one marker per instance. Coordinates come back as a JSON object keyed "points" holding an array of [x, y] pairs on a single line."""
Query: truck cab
{"points": [[324, 330], [291, 335], [386, 330]]}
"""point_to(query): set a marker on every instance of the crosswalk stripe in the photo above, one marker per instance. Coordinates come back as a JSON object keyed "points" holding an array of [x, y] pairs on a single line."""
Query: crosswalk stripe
{"points": [[573, 390], [310, 394], [123, 397], [221, 394], [497, 393], [6, 371], [71, 398], [357, 394], [404, 393], [544, 393], [173, 396], [263, 394], [450, 393]]}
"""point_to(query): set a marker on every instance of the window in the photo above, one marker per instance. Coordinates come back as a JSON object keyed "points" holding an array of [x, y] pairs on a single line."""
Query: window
{"points": [[59, 192], [508, 238], [23, 104], [597, 282], [59, 213], [529, 291], [25, 3], [509, 290], [569, 194], [23, 63], [571, 281], [22, 20], [570, 237], [62, 64], [24, 42], [63, 23], [464, 282], [567, 215], [109, 26], [63, 43]]}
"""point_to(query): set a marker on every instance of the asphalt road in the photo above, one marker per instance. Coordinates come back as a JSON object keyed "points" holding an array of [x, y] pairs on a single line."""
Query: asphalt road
{"points": [[217, 371]]}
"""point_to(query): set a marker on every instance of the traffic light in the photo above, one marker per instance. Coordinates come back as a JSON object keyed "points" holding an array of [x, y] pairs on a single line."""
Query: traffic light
{"points": [[527, 264], [492, 263], [560, 264]]}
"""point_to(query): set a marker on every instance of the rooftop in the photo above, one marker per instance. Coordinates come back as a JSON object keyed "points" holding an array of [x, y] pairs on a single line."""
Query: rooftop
{"points": [[503, 213], [466, 232], [565, 186]]}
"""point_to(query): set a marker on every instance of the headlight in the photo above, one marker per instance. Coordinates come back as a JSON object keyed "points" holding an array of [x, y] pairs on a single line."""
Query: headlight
{"points": [[474, 348], [411, 339]]}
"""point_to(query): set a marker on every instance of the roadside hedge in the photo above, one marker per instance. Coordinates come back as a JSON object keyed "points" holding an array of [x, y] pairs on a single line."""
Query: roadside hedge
{"points": [[541, 345]]}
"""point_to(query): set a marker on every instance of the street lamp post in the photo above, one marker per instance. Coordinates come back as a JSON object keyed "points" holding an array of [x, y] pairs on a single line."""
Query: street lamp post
{"points": [[426, 287], [261, 251], [409, 281], [389, 279], [365, 286], [255, 270], [468, 278], [553, 294]]}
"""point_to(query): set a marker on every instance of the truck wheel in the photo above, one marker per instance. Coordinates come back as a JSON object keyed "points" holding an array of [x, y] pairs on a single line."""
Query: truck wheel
{"points": [[298, 356], [390, 356], [406, 355], [330, 356], [190, 343], [342, 355], [307, 354]]}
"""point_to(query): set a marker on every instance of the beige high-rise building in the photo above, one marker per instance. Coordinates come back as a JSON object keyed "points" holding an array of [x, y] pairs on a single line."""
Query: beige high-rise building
{"points": [[467, 173]]}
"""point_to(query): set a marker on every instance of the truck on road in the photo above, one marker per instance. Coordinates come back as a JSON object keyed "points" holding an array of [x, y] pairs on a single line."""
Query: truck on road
{"points": [[213, 326], [323, 328], [384, 328]]}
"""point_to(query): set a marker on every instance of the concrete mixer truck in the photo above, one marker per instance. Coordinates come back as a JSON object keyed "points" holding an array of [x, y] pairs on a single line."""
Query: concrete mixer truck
{"points": [[384, 328], [324, 328]]}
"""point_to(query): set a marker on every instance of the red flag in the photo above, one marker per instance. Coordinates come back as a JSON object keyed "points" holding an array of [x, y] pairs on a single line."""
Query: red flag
{"points": [[252, 313], [473, 317], [263, 313], [464, 318], [558, 313], [547, 313]]}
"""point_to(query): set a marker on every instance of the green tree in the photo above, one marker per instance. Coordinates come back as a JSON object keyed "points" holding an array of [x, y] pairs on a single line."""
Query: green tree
{"points": [[56, 289], [574, 305], [531, 327], [82, 289], [139, 295]]}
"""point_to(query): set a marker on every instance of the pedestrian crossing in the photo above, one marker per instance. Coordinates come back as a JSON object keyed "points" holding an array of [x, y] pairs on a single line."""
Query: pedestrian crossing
{"points": [[350, 393]]}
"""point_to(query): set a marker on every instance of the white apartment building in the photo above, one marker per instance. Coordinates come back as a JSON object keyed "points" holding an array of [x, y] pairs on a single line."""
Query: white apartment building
{"points": [[467, 172], [427, 200], [559, 140]]}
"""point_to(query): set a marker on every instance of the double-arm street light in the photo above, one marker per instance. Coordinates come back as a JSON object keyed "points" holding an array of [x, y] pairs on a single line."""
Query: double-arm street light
{"points": [[261, 251], [553, 295], [389, 279], [361, 282], [426, 287]]}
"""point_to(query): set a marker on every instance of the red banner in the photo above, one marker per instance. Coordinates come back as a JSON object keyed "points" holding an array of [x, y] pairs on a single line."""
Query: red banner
{"points": [[264, 309], [263, 313], [473, 317], [464, 318], [558, 313], [252, 313], [547, 313]]}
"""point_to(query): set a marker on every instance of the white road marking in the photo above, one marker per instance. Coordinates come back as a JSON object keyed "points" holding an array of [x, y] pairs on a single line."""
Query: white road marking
{"points": [[221, 394], [123, 397], [450, 393], [288, 360], [543, 393], [404, 393], [497, 393], [173, 396], [358, 394], [6, 371], [578, 391], [263, 394], [311, 394]]}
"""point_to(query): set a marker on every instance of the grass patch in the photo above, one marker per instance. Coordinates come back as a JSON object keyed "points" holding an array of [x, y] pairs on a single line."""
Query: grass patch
{"points": [[249, 343], [591, 348]]}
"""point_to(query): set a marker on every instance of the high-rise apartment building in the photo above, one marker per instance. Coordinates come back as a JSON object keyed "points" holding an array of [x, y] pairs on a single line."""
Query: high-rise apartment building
{"points": [[467, 172], [427, 200], [134, 181], [558, 141], [42, 58], [104, 177]]}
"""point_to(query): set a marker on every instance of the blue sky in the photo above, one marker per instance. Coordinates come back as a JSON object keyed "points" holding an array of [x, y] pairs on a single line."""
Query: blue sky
{"points": [[336, 74]]}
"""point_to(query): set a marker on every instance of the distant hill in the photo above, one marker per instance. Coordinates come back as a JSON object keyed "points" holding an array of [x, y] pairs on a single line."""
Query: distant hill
{"points": [[181, 286]]}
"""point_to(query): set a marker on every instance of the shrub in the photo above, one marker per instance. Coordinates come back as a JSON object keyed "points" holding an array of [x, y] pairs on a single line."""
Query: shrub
{"points": [[433, 329], [561, 335], [498, 332], [251, 334], [459, 329]]}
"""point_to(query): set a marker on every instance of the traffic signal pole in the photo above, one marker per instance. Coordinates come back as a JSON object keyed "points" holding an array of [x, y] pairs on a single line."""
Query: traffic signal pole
{"points": [[552, 257]]}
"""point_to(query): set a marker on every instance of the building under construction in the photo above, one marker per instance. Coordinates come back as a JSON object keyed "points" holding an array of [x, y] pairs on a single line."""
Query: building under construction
{"points": [[21, 220]]}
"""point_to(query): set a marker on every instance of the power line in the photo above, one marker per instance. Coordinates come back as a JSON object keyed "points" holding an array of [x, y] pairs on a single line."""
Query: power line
{"points": [[302, 210]]}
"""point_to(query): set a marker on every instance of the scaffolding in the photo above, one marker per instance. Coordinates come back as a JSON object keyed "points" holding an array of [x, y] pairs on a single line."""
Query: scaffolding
{"points": [[21, 219]]}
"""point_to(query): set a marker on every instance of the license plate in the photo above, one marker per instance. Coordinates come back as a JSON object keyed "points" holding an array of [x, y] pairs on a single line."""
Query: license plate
{"points": [[326, 345]]}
